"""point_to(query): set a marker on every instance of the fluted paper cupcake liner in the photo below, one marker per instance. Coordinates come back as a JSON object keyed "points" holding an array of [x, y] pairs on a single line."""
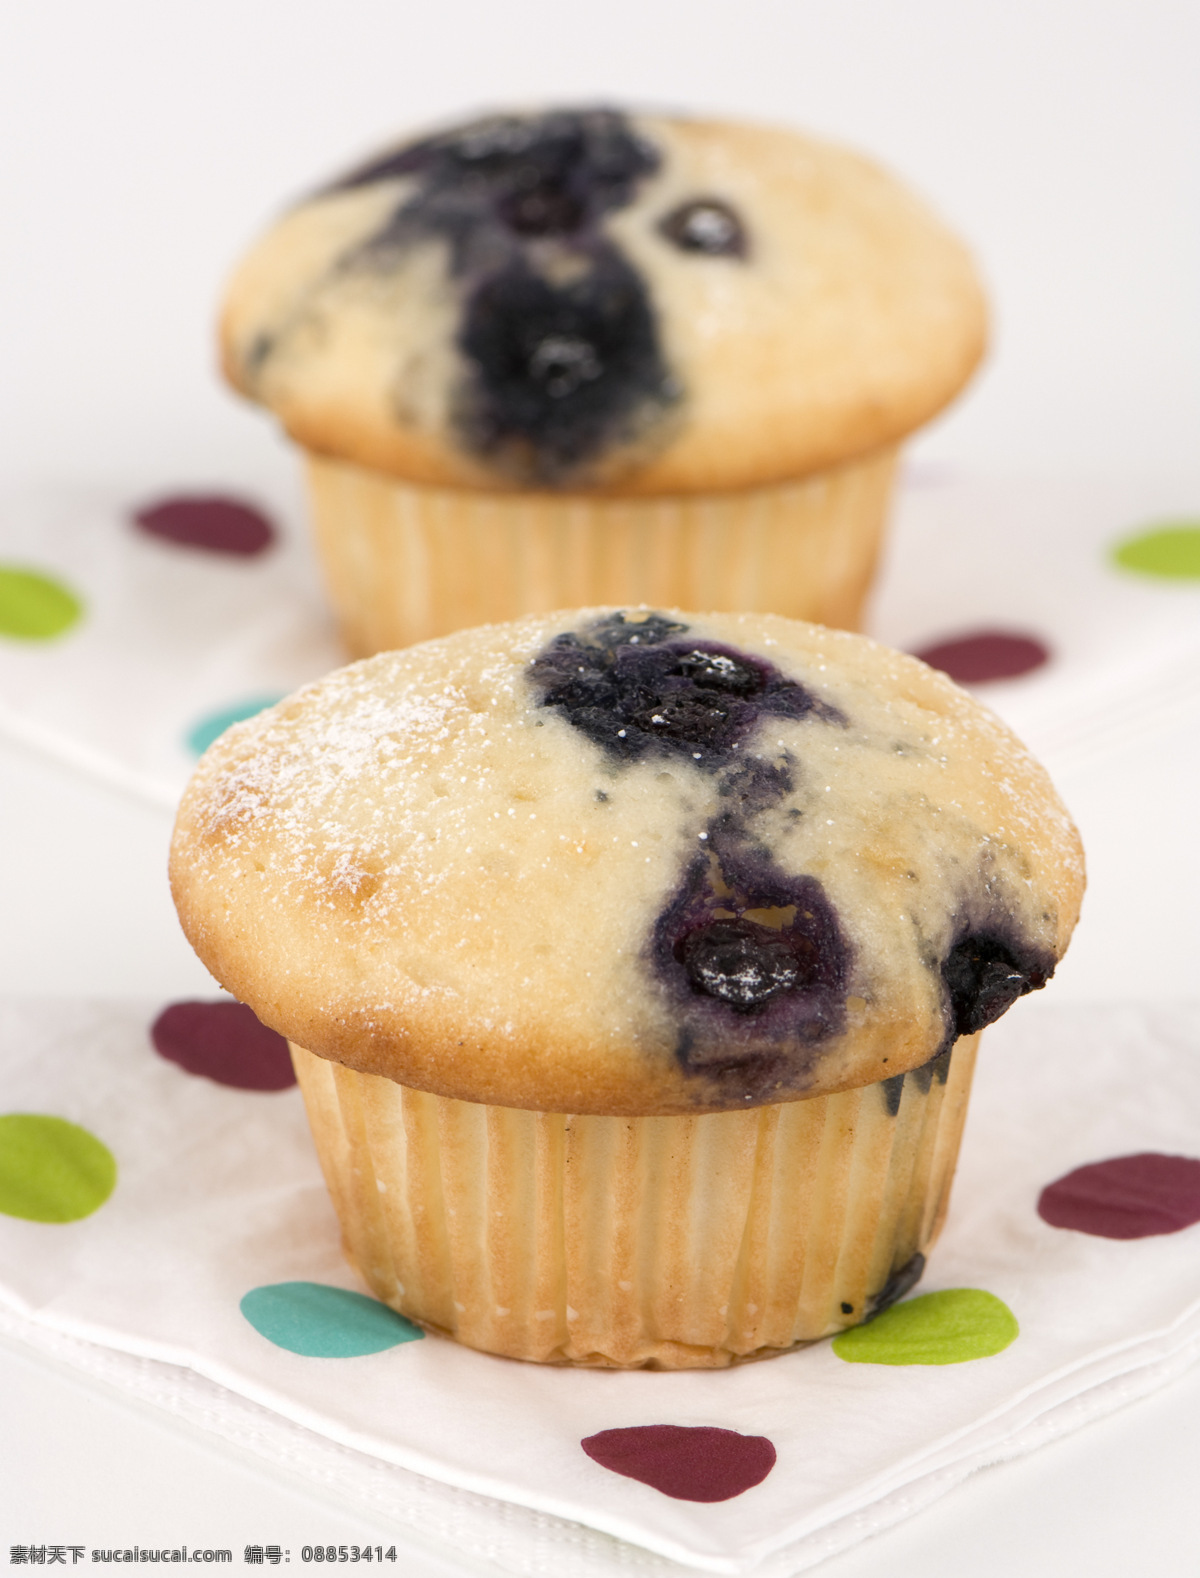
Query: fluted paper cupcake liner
{"points": [[666, 1242], [406, 563]]}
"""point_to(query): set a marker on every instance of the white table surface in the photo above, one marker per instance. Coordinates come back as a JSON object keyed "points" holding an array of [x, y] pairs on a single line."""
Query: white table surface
{"points": [[87, 913]]}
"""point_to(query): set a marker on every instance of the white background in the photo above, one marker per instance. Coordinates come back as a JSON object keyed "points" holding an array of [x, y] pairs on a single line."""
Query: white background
{"points": [[144, 142]]}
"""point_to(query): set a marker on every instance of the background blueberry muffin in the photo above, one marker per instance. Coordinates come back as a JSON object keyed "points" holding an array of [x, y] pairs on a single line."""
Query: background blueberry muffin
{"points": [[634, 964], [584, 355]]}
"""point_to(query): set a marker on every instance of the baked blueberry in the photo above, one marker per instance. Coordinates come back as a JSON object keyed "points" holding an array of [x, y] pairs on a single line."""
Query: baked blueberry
{"points": [[743, 964], [754, 958], [709, 669], [985, 972], [632, 691], [558, 372], [706, 225]]}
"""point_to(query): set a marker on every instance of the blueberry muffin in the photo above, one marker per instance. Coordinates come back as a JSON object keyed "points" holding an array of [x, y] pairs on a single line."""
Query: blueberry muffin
{"points": [[585, 356], [634, 964]]}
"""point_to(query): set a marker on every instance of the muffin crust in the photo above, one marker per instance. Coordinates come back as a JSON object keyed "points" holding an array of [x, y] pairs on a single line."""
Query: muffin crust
{"points": [[628, 862], [589, 300]]}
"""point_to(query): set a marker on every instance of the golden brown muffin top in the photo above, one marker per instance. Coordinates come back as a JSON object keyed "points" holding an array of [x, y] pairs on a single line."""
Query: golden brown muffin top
{"points": [[628, 862], [594, 301]]}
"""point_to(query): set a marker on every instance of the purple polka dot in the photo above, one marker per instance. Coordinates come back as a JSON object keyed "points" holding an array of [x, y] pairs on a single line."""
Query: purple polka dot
{"points": [[208, 521], [224, 1042], [1126, 1197], [982, 655], [688, 1462]]}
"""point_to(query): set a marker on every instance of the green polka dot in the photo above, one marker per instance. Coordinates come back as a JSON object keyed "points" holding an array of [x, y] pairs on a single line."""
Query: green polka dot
{"points": [[33, 607], [52, 1170], [937, 1328], [322, 1322], [202, 734], [1170, 550]]}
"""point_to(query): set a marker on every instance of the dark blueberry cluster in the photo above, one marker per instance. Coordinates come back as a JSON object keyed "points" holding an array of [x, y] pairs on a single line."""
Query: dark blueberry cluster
{"points": [[562, 370], [983, 975], [986, 972], [638, 687], [555, 174], [557, 327]]}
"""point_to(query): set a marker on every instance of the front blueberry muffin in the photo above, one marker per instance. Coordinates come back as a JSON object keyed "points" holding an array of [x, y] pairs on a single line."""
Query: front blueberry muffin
{"points": [[634, 963], [583, 354]]}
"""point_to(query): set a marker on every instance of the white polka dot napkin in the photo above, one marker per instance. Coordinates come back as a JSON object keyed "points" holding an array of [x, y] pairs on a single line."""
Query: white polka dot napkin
{"points": [[217, 1197]]}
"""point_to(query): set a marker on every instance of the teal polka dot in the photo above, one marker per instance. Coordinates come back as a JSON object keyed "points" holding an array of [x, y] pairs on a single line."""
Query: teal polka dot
{"points": [[33, 607], [1169, 550], [322, 1322], [201, 735], [937, 1328], [52, 1170]]}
